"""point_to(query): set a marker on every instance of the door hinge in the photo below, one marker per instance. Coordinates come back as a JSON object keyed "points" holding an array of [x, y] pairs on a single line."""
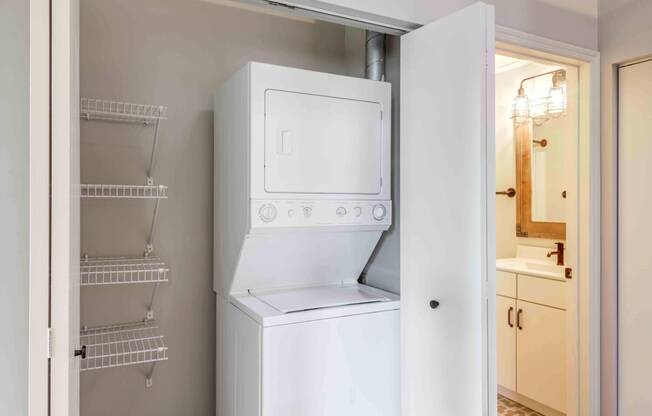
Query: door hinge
{"points": [[49, 346]]}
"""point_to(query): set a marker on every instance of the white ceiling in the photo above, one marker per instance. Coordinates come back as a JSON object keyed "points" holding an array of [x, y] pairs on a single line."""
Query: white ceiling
{"points": [[506, 63]]}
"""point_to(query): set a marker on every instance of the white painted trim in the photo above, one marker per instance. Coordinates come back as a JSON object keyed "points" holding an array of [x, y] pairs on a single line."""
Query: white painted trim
{"points": [[39, 205], [588, 62], [545, 45], [64, 375], [329, 13]]}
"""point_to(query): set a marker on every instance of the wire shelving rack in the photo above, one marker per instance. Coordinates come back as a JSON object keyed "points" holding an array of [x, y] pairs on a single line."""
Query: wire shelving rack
{"points": [[96, 109], [122, 345], [98, 271], [131, 343], [91, 190]]}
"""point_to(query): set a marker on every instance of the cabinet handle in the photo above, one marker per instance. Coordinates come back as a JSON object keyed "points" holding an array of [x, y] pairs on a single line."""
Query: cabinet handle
{"points": [[509, 317], [518, 319]]}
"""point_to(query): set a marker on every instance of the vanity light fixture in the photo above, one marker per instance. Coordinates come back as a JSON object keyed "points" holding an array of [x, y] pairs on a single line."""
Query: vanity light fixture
{"points": [[541, 109]]}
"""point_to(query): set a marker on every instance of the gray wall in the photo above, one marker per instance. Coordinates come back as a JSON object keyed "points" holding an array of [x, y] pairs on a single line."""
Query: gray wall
{"points": [[384, 267], [625, 34], [14, 187], [174, 53]]}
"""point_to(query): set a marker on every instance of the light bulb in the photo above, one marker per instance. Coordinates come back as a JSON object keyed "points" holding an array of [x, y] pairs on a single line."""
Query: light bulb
{"points": [[521, 107], [557, 101], [557, 96]]}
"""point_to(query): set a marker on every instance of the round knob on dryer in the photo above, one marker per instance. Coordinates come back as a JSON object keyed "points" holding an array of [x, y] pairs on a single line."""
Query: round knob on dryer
{"points": [[307, 212], [357, 211], [340, 211], [379, 211], [267, 212]]}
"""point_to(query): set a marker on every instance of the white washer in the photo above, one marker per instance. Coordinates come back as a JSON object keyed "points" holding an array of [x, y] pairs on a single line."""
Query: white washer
{"points": [[329, 350], [302, 196]]}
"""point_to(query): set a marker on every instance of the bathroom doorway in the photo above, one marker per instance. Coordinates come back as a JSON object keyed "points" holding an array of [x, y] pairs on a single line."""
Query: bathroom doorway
{"points": [[537, 200]]}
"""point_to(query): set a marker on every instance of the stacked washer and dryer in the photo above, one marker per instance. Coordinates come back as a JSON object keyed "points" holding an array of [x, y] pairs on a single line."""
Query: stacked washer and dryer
{"points": [[302, 196]]}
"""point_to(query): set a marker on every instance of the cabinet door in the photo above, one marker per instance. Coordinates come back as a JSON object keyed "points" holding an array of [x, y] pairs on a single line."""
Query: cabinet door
{"points": [[541, 354], [447, 148], [506, 342]]}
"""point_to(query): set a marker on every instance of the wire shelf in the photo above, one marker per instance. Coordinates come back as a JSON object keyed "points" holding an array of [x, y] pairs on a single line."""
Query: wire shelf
{"points": [[121, 345], [124, 191], [99, 271], [95, 109]]}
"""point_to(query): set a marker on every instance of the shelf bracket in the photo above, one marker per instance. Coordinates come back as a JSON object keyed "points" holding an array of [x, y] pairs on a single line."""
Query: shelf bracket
{"points": [[150, 307], [152, 156], [149, 246], [148, 378]]}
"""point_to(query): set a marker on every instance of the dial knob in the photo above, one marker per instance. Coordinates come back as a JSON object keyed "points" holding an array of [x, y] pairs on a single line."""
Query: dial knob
{"points": [[267, 212], [379, 211], [340, 211], [307, 212], [290, 213], [357, 211]]}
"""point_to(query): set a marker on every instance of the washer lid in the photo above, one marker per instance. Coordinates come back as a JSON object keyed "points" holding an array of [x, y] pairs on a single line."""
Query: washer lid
{"points": [[310, 298]]}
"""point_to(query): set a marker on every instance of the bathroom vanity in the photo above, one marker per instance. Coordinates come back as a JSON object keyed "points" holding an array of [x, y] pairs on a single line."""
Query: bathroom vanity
{"points": [[531, 305]]}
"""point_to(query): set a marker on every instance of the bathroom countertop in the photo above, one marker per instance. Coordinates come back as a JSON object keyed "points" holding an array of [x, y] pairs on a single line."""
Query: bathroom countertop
{"points": [[531, 267]]}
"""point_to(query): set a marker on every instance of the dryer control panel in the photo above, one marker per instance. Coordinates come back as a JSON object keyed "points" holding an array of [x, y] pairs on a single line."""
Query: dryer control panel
{"points": [[316, 213]]}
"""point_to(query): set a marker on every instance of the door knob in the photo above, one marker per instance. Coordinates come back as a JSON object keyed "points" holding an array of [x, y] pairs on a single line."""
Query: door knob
{"points": [[434, 304]]}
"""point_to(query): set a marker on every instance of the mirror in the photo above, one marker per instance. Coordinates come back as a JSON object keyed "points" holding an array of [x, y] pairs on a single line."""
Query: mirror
{"points": [[541, 158], [548, 176]]}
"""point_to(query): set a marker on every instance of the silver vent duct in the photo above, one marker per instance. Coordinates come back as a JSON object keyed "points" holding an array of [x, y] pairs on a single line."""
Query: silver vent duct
{"points": [[375, 56]]}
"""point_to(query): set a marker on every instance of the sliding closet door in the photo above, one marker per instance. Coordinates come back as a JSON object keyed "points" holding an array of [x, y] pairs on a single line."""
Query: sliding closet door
{"points": [[634, 233], [447, 216]]}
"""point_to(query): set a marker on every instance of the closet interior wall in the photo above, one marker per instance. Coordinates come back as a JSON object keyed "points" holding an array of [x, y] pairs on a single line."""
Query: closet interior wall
{"points": [[173, 53]]}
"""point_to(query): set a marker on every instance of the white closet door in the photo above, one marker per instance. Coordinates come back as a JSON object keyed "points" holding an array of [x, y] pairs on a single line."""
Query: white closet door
{"points": [[447, 216], [64, 369], [634, 230]]}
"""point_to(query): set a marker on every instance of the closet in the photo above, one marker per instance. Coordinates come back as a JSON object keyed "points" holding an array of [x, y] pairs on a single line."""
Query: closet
{"points": [[148, 72], [175, 53]]}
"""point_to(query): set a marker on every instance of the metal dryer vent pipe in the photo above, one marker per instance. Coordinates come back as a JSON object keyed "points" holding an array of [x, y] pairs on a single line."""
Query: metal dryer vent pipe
{"points": [[375, 56]]}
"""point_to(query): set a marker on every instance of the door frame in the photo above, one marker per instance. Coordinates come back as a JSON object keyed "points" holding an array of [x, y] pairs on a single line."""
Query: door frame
{"points": [[39, 207], [587, 394]]}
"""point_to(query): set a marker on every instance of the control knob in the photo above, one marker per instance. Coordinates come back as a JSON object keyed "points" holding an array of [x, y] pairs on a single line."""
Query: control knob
{"points": [[267, 212], [379, 211], [307, 212], [340, 211]]}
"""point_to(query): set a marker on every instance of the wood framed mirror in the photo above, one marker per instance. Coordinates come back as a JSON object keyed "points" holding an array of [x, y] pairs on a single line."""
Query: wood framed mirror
{"points": [[533, 219]]}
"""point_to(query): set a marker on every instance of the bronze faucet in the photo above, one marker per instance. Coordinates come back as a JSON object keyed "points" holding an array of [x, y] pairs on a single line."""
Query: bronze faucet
{"points": [[559, 253]]}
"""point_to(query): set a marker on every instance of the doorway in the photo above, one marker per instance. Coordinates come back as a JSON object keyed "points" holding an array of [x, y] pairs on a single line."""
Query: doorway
{"points": [[546, 150]]}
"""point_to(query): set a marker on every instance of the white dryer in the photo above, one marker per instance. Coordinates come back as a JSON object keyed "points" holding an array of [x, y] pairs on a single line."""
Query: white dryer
{"points": [[302, 196]]}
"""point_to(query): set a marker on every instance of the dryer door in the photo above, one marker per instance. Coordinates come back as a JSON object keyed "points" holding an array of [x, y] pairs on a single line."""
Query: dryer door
{"points": [[319, 144]]}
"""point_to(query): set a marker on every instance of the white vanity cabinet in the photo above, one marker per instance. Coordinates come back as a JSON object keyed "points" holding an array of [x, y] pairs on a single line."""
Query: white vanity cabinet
{"points": [[506, 342], [531, 339]]}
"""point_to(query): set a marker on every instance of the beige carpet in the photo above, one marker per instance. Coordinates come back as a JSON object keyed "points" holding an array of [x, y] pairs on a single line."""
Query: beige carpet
{"points": [[508, 407]]}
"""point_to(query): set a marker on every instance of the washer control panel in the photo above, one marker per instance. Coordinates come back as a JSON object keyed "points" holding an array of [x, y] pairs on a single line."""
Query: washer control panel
{"points": [[303, 213]]}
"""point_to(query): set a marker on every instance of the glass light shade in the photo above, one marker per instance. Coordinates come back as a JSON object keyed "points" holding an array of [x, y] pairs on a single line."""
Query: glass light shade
{"points": [[521, 108], [557, 101]]}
